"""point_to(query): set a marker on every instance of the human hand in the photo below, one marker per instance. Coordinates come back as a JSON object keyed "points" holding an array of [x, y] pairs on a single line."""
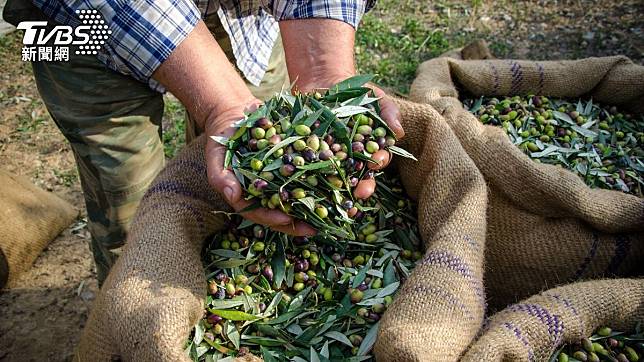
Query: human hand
{"points": [[225, 182]]}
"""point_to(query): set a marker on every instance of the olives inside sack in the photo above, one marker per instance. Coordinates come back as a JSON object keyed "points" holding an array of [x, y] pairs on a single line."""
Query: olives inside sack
{"points": [[601, 144]]}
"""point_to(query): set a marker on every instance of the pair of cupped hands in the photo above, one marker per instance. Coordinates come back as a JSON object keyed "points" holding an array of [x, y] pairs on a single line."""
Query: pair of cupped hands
{"points": [[225, 182]]}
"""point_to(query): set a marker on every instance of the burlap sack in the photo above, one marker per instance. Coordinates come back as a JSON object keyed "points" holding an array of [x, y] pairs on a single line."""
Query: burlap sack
{"points": [[545, 227], [154, 294], [533, 329], [29, 219]]}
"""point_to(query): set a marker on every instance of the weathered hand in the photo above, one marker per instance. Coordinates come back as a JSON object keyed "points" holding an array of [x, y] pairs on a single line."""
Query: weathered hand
{"points": [[225, 182], [389, 113]]}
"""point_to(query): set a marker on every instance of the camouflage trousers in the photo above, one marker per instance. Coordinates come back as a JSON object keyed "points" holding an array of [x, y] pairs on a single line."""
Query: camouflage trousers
{"points": [[113, 124]]}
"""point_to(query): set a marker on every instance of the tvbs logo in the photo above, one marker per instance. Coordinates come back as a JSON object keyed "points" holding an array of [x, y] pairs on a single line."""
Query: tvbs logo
{"points": [[42, 43]]}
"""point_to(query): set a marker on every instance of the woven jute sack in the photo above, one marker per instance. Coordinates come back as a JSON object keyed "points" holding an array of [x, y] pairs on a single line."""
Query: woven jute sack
{"points": [[533, 329], [29, 219], [545, 226], [154, 294]]}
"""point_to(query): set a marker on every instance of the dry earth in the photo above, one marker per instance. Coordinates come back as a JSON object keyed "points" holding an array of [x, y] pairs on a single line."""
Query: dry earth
{"points": [[43, 314]]}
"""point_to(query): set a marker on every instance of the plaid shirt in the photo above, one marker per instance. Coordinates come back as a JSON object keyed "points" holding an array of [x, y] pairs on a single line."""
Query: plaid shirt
{"points": [[145, 32]]}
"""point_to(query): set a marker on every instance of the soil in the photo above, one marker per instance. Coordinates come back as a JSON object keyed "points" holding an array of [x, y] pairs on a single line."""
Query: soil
{"points": [[43, 313]]}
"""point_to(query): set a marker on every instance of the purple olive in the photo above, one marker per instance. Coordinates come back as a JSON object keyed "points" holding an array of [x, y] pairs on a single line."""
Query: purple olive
{"points": [[214, 319], [264, 123], [309, 155], [382, 142], [347, 204], [252, 144], [300, 240], [260, 184], [268, 273], [287, 170], [357, 147], [284, 195], [325, 155], [287, 159]]}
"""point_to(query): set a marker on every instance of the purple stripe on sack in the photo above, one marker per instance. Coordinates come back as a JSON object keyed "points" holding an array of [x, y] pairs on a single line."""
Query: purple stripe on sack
{"points": [[591, 254], [455, 263], [542, 77], [495, 72], [472, 242], [450, 298], [517, 76], [552, 321], [622, 247], [448, 260], [568, 306], [517, 333]]}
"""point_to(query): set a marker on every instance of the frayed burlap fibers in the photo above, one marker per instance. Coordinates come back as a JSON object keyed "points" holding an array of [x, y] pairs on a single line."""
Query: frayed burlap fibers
{"points": [[29, 219], [545, 226]]}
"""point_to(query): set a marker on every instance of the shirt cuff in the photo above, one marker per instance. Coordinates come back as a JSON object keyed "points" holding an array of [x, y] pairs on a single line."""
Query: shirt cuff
{"points": [[348, 11], [145, 33]]}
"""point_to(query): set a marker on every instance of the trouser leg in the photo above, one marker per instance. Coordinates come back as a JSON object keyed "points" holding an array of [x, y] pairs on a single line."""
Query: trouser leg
{"points": [[113, 124]]}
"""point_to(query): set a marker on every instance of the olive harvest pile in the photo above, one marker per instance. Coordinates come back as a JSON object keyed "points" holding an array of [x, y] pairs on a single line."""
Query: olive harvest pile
{"points": [[604, 146], [306, 299], [309, 154], [605, 345]]}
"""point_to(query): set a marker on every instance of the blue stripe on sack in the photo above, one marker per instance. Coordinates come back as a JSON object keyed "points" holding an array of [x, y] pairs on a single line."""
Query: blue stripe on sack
{"points": [[591, 254], [622, 247], [519, 335], [553, 322]]}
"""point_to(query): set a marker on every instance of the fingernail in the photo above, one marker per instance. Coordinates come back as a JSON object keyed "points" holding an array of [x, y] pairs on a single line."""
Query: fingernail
{"points": [[228, 192]]}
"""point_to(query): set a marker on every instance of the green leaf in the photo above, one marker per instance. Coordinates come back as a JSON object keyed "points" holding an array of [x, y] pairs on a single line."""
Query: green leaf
{"points": [[309, 202], [348, 111], [362, 274], [232, 333], [324, 352], [220, 139], [340, 337], [274, 302], [353, 82], [264, 341], [346, 95], [563, 117], [267, 356], [314, 356], [278, 262], [227, 264], [199, 330], [299, 299], [369, 340], [225, 303], [390, 274], [401, 152], [274, 165], [372, 301], [388, 290], [233, 315], [280, 145], [225, 253], [316, 165]]}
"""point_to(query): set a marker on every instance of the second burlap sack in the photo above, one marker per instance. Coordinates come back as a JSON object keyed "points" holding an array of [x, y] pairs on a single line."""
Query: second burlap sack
{"points": [[533, 329], [154, 294], [545, 226], [29, 219]]}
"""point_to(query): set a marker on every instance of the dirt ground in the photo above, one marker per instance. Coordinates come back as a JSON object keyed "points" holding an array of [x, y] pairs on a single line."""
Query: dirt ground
{"points": [[41, 317]]}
